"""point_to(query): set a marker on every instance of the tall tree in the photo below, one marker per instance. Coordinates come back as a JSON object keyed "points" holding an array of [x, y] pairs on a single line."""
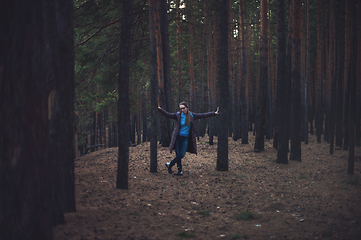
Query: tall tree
{"points": [[346, 103], [307, 74], [210, 67], [61, 151], [296, 123], [243, 79], [340, 48], [358, 84], [25, 168], [223, 86], [164, 133], [179, 56], [270, 86], [320, 68], [55, 117], [282, 151], [263, 80], [332, 67], [153, 88], [190, 52], [123, 101], [201, 129], [352, 68], [237, 81], [66, 88], [163, 20]]}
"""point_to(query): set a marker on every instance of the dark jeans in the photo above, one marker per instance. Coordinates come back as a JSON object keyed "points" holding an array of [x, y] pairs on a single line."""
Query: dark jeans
{"points": [[181, 145]]}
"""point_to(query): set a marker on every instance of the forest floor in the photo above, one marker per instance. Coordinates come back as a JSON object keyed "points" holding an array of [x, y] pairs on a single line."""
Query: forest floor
{"points": [[256, 199]]}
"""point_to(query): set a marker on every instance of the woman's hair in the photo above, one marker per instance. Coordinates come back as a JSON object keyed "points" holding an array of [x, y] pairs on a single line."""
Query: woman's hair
{"points": [[188, 115]]}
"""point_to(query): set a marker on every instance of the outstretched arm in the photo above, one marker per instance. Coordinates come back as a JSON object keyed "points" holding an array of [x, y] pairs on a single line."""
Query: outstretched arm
{"points": [[167, 114], [205, 115]]}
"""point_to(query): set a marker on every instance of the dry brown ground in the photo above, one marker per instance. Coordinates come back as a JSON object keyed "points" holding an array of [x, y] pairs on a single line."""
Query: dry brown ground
{"points": [[312, 199]]}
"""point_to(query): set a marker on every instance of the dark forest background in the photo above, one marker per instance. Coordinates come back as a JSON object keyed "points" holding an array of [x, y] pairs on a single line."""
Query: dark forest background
{"points": [[76, 76]]}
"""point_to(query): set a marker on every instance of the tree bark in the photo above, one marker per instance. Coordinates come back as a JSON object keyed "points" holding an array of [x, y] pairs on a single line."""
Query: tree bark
{"points": [[263, 80], [223, 86], [163, 19], [123, 101], [346, 119], [244, 79], [25, 168], [210, 69], [352, 68], [358, 84], [282, 151], [307, 74], [153, 89], [179, 56], [191, 56], [296, 122], [61, 125], [320, 59], [332, 64], [340, 6]]}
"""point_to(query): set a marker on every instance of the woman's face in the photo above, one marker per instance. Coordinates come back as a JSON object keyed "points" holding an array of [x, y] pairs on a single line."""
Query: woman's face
{"points": [[183, 109]]}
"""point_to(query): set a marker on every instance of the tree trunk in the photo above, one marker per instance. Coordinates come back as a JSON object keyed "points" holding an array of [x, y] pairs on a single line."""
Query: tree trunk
{"points": [[289, 66], [66, 88], [232, 56], [163, 19], [296, 122], [179, 56], [282, 151], [153, 89], [55, 152], [346, 119], [263, 80], [358, 84], [352, 84], [332, 64], [307, 74], [270, 86], [144, 117], [223, 86], [123, 101], [191, 56], [249, 90], [202, 122], [244, 79], [25, 168], [162, 99], [320, 59], [210, 68], [340, 8], [238, 80]]}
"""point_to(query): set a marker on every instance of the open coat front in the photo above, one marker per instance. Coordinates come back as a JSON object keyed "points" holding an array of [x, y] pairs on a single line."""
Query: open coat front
{"points": [[192, 142]]}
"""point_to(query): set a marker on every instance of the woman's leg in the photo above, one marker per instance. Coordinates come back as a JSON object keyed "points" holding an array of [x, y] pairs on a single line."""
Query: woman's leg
{"points": [[181, 145]]}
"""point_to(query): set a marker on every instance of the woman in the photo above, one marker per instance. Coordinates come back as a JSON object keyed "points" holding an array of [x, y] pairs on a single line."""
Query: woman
{"points": [[184, 135]]}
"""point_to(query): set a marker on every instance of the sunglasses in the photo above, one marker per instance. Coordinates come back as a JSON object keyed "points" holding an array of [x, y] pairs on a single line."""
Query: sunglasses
{"points": [[182, 108]]}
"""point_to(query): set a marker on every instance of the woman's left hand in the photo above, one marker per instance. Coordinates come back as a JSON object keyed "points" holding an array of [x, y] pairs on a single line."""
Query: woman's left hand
{"points": [[217, 112]]}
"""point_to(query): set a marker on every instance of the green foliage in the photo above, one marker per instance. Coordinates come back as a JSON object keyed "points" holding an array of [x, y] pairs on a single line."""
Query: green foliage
{"points": [[302, 176], [245, 216], [354, 181], [236, 236], [186, 234], [203, 213], [97, 38]]}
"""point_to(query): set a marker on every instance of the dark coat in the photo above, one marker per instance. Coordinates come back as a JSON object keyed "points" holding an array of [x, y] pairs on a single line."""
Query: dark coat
{"points": [[192, 142]]}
